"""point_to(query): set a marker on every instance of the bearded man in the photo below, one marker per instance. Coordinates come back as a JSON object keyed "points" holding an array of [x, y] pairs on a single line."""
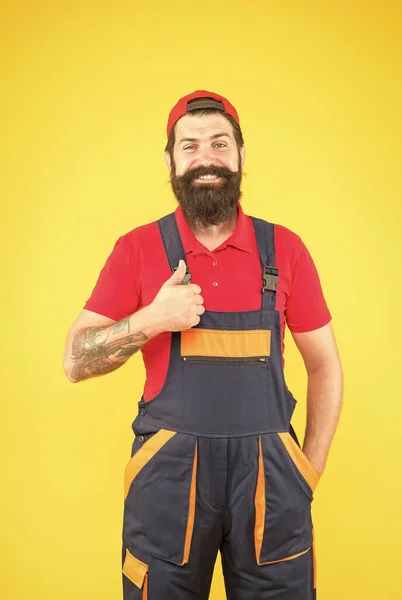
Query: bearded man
{"points": [[206, 293]]}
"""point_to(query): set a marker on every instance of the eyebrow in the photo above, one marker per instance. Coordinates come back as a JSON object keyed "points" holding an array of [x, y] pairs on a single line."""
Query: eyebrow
{"points": [[213, 137]]}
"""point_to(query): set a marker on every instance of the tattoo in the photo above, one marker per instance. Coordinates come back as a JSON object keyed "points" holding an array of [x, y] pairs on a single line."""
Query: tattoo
{"points": [[121, 325], [94, 353]]}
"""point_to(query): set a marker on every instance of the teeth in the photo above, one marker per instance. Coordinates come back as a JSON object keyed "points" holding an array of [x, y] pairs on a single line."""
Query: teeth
{"points": [[207, 177]]}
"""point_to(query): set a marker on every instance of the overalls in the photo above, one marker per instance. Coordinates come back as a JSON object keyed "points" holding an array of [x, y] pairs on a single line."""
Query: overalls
{"points": [[216, 464]]}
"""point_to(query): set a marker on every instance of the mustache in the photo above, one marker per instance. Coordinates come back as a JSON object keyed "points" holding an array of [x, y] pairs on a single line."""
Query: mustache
{"points": [[223, 172]]}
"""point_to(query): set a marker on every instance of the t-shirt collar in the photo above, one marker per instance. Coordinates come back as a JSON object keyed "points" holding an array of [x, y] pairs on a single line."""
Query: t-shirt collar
{"points": [[239, 239]]}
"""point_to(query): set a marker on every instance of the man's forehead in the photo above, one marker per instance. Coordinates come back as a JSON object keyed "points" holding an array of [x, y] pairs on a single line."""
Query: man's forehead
{"points": [[198, 126]]}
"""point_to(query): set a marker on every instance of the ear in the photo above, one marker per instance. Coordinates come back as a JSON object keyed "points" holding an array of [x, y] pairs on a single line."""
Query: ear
{"points": [[242, 154], [168, 161]]}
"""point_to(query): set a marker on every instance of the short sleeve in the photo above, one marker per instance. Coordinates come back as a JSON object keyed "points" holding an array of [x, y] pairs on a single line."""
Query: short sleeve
{"points": [[306, 308], [115, 294]]}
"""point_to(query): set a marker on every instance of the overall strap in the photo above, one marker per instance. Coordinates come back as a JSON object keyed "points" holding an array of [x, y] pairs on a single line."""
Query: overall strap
{"points": [[173, 244], [264, 233]]}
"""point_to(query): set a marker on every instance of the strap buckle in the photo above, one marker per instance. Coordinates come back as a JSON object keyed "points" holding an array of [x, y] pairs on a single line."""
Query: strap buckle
{"points": [[270, 279], [187, 277]]}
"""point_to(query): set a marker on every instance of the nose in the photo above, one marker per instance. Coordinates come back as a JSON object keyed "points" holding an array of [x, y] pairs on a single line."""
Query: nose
{"points": [[205, 158]]}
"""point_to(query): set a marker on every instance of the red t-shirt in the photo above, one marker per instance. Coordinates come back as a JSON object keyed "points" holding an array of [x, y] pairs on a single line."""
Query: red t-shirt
{"points": [[229, 276]]}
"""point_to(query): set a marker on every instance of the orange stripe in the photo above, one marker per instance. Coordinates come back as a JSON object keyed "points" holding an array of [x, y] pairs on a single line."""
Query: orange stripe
{"points": [[134, 569], [145, 590], [144, 455], [271, 562], [259, 503], [300, 460], [191, 510], [235, 344]]}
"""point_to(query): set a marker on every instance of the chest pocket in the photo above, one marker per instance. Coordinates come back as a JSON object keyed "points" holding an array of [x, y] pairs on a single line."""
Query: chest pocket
{"points": [[224, 373]]}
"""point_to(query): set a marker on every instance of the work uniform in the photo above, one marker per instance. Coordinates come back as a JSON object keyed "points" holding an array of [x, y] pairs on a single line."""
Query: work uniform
{"points": [[215, 462]]}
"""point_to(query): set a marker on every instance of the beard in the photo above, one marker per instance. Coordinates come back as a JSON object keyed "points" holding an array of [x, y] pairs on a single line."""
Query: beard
{"points": [[209, 203]]}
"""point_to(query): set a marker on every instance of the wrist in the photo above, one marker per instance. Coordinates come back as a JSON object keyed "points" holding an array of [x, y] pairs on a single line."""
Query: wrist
{"points": [[315, 459], [153, 322]]}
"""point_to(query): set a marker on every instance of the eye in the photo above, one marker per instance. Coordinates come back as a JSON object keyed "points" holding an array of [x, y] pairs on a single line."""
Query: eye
{"points": [[220, 145], [190, 147]]}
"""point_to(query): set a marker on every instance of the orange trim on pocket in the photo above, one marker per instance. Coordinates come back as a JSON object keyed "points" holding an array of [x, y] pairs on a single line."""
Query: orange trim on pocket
{"points": [[135, 570], [221, 343], [300, 460], [144, 455], [259, 503], [272, 562], [145, 590], [191, 510]]}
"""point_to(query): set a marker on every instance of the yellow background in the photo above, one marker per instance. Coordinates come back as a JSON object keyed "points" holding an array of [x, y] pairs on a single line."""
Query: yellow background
{"points": [[86, 88]]}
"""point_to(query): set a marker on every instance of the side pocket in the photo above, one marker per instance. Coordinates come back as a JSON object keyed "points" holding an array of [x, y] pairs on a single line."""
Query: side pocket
{"points": [[300, 460], [160, 497], [137, 572], [283, 526], [143, 455]]}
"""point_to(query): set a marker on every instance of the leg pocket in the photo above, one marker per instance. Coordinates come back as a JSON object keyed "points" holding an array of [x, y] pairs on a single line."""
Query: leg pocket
{"points": [[300, 460], [160, 496], [136, 572], [283, 526]]}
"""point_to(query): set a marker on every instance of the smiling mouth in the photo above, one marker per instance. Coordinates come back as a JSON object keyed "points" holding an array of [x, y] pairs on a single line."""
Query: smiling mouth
{"points": [[207, 178]]}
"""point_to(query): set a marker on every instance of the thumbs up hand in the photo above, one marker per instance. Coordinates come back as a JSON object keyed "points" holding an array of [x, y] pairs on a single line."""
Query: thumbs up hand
{"points": [[178, 307], [177, 276]]}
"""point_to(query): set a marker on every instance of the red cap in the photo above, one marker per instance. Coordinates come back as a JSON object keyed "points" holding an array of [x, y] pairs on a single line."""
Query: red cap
{"points": [[203, 99]]}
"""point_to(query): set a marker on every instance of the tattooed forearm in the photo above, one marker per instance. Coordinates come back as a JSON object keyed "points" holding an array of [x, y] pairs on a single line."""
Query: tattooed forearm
{"points": [[120, 326], [99, 351]]}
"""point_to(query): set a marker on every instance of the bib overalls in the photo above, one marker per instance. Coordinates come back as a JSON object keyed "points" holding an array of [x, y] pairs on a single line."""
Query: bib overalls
{"points": [[216, 464]]}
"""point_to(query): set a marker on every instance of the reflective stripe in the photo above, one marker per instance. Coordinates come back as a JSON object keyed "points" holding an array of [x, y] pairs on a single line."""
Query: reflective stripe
{"points": [[144, 455], [300, 460], [191, 510], [259, 503], [134, 569], [215, 342]]}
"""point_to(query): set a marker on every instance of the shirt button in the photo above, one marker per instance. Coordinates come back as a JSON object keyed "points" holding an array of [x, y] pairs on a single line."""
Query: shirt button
{"points": [[215, 263], [215, 284], [141, 438]]}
